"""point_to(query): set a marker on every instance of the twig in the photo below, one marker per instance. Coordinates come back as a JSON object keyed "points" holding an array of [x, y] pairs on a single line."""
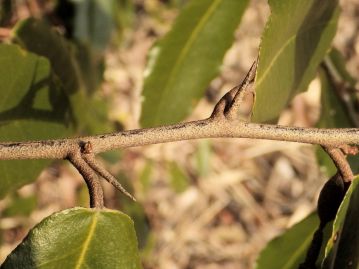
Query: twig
{"points": [[340, 163], [91, 179]]}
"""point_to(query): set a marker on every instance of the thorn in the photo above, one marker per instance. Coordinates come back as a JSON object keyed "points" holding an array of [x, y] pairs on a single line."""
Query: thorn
{"points": [[97, 167]]}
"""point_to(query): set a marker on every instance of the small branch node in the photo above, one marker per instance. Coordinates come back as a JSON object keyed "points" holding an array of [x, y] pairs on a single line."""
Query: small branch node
{"points": [[86, 147], [100, 170]]}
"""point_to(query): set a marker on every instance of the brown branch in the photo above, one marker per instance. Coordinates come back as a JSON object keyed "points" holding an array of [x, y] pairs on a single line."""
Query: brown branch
{"points": [[91, 179], [209, 128], [224, 122], [340, 163]]}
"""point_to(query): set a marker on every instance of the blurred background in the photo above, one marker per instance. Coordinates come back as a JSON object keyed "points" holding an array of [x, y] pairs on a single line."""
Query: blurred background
{"points": [[201, 204]]}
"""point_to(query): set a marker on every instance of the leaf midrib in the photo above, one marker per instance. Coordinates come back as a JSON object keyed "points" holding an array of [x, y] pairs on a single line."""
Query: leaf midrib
{"points": [[184, 51], [87, 242], [286, 44]]}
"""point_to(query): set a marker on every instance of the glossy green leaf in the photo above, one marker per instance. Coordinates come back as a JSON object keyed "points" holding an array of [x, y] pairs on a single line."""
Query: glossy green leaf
{"points": [[296, 38], [79, 238], [183, 63], [289, 250], [343, 248], [29, 110]]}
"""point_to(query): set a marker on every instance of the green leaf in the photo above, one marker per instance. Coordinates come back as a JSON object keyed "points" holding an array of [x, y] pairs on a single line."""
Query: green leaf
{"points": [[37, 36], [183, 63], [79, 238], [29, 110], [343, 248], [63, 60], [296, 38], [94, 21], [289, 250]]}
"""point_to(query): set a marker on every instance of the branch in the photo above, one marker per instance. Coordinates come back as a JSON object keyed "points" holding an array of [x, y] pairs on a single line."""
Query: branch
{"points": [[224, 122], [340, 163], [208, 128]]}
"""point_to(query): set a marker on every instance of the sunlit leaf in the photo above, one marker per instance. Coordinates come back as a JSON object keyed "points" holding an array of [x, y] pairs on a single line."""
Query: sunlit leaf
{"points": [[79, 238], [183, 63], [296, 38]]}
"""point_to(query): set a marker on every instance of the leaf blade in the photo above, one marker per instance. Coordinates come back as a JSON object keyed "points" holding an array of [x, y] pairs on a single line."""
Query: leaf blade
{"points": [[343, 247], [296, 38], [27, 111], [183, 63], [288, 250], [78, 238]]}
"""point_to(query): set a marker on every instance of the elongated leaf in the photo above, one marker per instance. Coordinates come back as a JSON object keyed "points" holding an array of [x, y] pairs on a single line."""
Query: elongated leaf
{"points": [[183, 63], [79, 238], [289, 250], [297, 37], [28, 110], [343, 248]]}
